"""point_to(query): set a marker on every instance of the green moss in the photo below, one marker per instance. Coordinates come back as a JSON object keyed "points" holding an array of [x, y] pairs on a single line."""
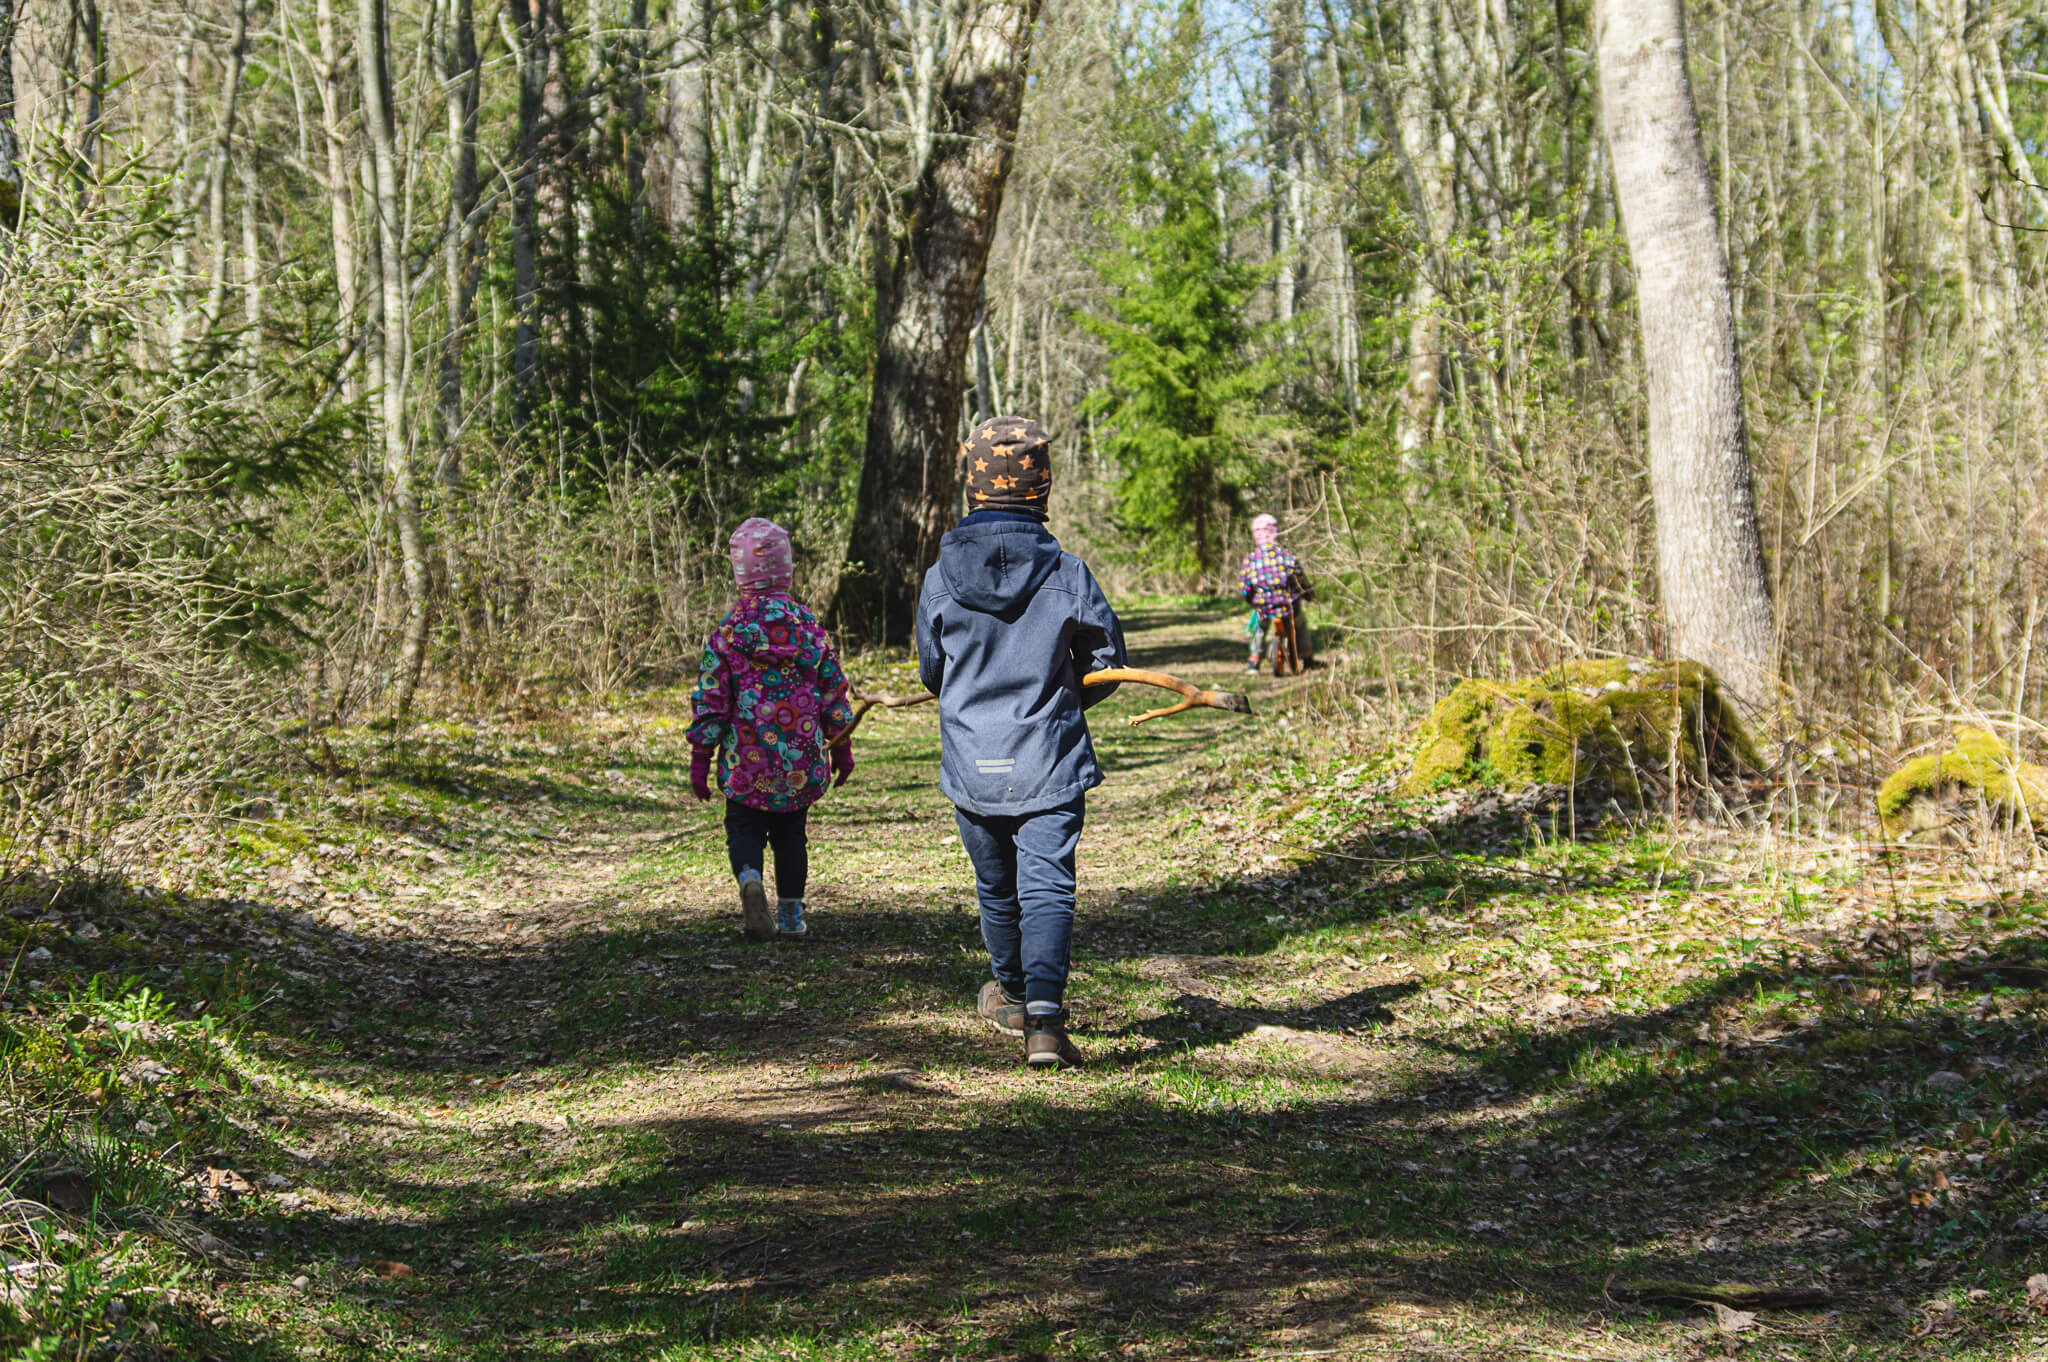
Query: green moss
{"points": [[1606, 723], [1977, 767], [274, 839]]}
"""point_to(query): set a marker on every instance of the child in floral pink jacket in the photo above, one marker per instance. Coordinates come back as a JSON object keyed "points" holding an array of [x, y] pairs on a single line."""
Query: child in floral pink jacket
{"points": [[769, 694]]}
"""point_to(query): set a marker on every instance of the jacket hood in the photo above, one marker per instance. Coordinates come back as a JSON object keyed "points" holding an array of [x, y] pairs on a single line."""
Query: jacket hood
{"points": [[766, 630], [995, 566]]}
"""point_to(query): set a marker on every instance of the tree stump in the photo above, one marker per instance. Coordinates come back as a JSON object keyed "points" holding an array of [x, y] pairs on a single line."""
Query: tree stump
{"points": [[1939, 797], [1617, 726]]}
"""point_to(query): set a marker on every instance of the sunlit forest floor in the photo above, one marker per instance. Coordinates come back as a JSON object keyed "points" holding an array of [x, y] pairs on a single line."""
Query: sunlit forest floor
{"points": [[496, 1075]]}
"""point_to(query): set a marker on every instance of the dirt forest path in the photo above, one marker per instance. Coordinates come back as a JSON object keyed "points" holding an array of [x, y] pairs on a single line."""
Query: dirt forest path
{"points": [[1390, 1100], [615, 1128]]}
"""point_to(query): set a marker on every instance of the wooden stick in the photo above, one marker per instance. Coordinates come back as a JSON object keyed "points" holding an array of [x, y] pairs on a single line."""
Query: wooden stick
{"points": [[1734, 1295], [1192, 697]]}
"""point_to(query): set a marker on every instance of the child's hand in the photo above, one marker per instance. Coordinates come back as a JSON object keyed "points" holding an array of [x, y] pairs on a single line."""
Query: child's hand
{"points": [[842, 764], [700, 772]]}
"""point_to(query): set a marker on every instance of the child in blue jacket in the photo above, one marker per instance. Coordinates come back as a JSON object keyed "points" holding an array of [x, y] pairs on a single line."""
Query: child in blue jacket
{"points": [[1007, 626]]}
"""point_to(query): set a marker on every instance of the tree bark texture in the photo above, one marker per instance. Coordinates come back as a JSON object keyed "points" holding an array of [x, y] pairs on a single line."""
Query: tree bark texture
{"points": [[90, 128], [10, 144], [219, 165], [929, 290], [529, 20], [463, 73], [1710, 562], [1431, 153], [340, 214], [373, 61], [181, 142], [686, 122], [1285, 60]]}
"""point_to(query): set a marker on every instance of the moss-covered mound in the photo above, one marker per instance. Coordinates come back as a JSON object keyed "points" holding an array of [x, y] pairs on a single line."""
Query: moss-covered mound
{"points": [[1977, 771], [1610, 725]]}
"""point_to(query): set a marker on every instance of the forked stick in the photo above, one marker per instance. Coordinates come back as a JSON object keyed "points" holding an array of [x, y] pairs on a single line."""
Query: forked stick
{"points": [[861, 712], [1192, 697]]}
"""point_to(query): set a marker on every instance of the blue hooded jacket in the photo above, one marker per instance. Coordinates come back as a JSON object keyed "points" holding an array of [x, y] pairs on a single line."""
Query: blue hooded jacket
{"points": [[1007, 626]]}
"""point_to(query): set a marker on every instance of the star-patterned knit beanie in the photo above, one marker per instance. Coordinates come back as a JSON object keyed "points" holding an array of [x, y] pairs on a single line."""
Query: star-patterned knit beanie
{"points": [[761, 557], [1009, 466], [1265, 530]]}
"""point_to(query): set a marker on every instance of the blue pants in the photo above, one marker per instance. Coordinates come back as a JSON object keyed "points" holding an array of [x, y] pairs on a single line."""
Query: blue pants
{"points": [[1024, 878]]}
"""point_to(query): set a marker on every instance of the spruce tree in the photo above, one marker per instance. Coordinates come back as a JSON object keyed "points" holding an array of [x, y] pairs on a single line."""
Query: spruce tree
{"points": [[1182, 370]]}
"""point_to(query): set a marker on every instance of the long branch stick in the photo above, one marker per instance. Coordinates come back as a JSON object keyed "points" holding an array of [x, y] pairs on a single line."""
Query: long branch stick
{"points": [[1192, 697]]}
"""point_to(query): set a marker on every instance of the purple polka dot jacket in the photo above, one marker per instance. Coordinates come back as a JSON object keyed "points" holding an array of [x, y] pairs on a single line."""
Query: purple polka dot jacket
{"points": [[1271, 579]]}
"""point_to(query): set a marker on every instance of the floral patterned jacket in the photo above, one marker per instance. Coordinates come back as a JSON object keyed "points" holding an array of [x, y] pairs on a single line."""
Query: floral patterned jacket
{"points": [[1271, 579], [768, 691]]}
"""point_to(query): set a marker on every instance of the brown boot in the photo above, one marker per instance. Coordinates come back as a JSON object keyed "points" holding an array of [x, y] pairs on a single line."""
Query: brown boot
{"points": [[1046, 1045], [996, 1008]]}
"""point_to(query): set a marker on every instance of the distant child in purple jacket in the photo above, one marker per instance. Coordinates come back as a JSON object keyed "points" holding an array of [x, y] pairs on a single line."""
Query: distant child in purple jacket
{"points": [[769, 692], [1273, 584]]}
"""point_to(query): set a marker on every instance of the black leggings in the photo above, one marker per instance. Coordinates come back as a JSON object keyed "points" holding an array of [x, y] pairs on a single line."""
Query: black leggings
{"points": [[748, 830]]}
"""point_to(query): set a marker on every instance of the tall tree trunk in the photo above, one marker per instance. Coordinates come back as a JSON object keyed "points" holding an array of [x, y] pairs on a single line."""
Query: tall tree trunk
{"points": [[340, 209], [373, 62], [1284, 61], [1431, 153], [181, 226], [634, 53], [11, 183], [1710, 562], [251, 272], [91, 126], [930, 285], [219, 164], [529, 19], [686, 121], [459, 262], [747, 217]]}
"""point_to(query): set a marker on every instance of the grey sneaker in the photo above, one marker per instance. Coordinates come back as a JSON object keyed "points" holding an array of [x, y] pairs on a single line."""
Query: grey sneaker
{"points": [[998, 1009], [1046, 1045], [754, 907], [789, 918]]}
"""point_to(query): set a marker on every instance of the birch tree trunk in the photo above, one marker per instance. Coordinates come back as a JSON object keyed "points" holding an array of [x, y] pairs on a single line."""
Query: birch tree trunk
{"points": [[929, 286], [1710, 562], [373, 61]]}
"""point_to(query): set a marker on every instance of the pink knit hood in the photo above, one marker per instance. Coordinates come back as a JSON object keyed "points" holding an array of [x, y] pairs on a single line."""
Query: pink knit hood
{"points": [[762, 560]]}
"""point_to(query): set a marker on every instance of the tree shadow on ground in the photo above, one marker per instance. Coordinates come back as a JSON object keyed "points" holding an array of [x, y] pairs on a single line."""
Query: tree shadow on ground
{"points": [[1037, 1219], [1224, 649], [1510, 1173]]}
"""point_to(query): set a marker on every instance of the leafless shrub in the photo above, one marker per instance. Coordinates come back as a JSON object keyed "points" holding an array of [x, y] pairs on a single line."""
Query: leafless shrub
{"points": [[137, 626]]}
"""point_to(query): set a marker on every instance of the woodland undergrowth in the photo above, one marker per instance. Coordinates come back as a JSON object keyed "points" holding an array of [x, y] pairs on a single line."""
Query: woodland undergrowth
{"points": [[1721, 1049]]}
